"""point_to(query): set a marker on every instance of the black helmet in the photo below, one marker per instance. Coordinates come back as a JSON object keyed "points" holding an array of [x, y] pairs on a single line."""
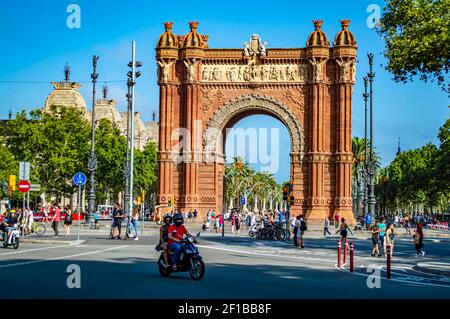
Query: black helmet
{"points": [[178, 219], [167, 216]]}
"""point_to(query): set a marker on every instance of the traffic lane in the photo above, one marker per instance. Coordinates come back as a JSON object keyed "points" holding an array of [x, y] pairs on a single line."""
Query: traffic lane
{"points": [[131, 272]]}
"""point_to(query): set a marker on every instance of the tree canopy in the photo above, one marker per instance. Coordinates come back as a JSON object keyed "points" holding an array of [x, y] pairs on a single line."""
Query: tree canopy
{"points": [[417, 36]]}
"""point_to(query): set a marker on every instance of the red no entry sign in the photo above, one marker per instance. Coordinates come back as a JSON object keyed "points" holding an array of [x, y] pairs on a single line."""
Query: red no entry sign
{"points": [[24, 186]]}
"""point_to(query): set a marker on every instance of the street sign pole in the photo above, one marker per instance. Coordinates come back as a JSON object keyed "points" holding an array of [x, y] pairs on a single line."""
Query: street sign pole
{"points": [[23, 202], [143, 210], [79, 212], [28, 199]]}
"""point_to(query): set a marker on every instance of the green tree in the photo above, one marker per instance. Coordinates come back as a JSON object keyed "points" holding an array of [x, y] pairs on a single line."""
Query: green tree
{"points": [[110, 149], [8, 166], [146, 171], [417, 35], [443, 161], [56, 144]]}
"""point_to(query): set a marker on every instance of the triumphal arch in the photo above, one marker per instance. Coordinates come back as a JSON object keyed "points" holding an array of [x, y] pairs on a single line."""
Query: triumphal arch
{"points": [[205, 90]]}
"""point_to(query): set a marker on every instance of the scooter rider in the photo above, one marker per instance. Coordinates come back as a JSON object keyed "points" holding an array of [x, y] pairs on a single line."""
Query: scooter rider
{"points": [[176, 234], [164, 237], [10, 223]]}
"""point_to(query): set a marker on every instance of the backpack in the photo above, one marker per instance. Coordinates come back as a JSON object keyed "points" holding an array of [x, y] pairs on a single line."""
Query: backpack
{"points": [[303, 226]]}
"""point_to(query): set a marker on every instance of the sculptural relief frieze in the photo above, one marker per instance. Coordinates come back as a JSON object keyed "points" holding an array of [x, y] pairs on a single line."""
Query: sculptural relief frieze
{"points": [[253, 72]]}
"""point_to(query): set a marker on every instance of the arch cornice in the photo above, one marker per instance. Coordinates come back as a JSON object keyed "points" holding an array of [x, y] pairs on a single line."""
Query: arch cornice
{"points": [[213, 132]]}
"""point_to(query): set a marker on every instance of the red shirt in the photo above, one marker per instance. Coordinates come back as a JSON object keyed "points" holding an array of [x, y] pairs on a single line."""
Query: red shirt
{"points": [[57, 215], [177, 232]]}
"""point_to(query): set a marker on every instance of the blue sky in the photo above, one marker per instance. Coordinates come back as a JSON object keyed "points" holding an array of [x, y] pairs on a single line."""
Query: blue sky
{"points": [[36, 43]]}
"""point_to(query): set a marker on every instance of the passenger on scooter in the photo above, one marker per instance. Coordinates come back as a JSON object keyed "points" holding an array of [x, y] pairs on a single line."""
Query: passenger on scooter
{"points": [[164, 237], [176, 234], [10, 223]]}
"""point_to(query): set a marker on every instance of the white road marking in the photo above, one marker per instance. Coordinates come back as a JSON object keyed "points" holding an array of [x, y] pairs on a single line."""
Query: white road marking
{"points": [[394, 279], [60, 258], [265, 255], [33, 249]]}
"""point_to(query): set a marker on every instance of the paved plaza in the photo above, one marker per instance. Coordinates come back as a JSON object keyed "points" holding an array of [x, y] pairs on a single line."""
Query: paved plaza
{"points": [[236, 267]]}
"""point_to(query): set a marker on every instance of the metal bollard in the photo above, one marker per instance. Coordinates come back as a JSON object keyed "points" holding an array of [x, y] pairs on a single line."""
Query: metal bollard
{"points": [[345, 250], [352, 248], [388, 262], [339, 253]]}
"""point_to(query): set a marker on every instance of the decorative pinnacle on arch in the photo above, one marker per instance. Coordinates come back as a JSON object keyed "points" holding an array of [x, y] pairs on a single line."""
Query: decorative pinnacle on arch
{"points": [[345, 23], [318, 24], [193, 25], [168, 25]]}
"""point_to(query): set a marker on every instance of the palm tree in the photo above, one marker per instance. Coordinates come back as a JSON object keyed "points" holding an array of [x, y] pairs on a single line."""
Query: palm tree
{"points": [[359, 151]]}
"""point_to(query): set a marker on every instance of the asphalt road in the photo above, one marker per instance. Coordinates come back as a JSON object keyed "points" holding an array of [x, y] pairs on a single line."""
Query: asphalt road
{"points": [[235, 268]]}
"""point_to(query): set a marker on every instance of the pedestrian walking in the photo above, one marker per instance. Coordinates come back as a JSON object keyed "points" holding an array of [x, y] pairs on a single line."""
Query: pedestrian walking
{"points": [[382, 227], [45, 218], [375, 231], [195, 213], [233, 223], [343, 230], [326, 223], [389, 238], [368, 221], [303, 229], [407, 225], [336, 220], [68, 220], [296, 230], [189, 217], [418, 240], [56, 219]]}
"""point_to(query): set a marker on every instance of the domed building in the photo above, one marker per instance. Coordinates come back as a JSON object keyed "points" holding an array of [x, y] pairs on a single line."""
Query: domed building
{"points": [[67, 94]]}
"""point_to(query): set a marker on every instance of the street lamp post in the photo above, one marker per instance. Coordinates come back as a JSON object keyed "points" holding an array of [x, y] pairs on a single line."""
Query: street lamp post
{"points": [[132, 75], [224, 205], [365, 174], [92, 162], [126, 172], [371, 166]]}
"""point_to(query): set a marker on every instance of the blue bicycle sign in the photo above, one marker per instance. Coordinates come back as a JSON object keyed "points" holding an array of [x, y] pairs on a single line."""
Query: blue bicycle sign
{"points": [[79, 179]]}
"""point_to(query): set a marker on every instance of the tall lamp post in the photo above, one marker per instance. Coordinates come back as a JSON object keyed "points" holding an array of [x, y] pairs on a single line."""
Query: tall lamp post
{"points": [[92, 162], [126, 172], [371, 166], [365, 174], [132, 75]]}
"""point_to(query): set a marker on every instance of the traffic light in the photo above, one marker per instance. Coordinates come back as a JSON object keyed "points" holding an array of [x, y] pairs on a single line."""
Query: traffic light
{"points": [[170, 201], [291, 200], [12, 182], [285, 192]]}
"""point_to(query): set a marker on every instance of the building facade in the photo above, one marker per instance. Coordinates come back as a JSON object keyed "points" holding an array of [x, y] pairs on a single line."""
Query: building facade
{"points": [[204, 91]]}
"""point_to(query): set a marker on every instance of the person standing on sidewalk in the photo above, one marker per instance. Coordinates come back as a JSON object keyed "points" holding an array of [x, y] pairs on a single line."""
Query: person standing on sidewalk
{"points": [[336, 220], [56, 219], [326, 223], [135, 222], [68, 220]]}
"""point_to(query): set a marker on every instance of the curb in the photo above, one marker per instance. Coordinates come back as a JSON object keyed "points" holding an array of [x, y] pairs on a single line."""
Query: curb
{"points": [[50, 241]]}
